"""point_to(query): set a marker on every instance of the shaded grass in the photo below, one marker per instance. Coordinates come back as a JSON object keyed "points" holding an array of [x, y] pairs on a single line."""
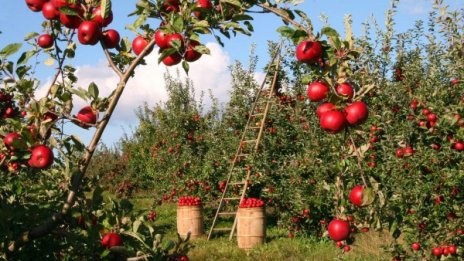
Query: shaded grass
{"points": [[367, 246]]}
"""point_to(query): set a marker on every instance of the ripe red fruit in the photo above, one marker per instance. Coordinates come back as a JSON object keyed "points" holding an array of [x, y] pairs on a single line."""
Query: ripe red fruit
{"points": [[110, 38], [437, 251], [425, 112], [416, 246], [35, 5], [138, 44], [317, 91], [202, 6], [175, 37], [356, 112], [345, 90], [89, 33], [72, 21], [59, 3], [45, 41], [49, 11], [356, 195], [459, 146], [309, 52], [87, 115], [11, 138], [339, 244], [172, 59], [432, 117], [110, 240], [325, 107], [436, 146], [41, 157], [97, 17], [408, 151], [399, 152], [161, 39], [339, 229], [333, 121], [190, 54], [452, 249], [347, 248]]}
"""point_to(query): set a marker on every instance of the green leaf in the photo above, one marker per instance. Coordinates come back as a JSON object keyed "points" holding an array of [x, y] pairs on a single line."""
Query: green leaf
{"points": [[368, 196], [232, 2], [329, 32], [93, 90], [242, 17], [286, 31], [178, 24], [202, 49], [105, 6], [49, 62], [30, 36], [136, 226], [186, 67], [165, 53], [25, 57], [10, 49], [68, 11]]}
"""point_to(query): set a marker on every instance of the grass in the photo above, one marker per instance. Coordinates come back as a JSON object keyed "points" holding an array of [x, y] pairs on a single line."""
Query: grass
{"points": [[367, 246]]}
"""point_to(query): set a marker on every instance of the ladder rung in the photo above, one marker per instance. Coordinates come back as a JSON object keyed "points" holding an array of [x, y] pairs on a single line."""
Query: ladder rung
{"points": [[254, 127], [231, 198], [238, 183], [257, 114], [242, 155], [222, 229], [227, 213], [248, 141]]}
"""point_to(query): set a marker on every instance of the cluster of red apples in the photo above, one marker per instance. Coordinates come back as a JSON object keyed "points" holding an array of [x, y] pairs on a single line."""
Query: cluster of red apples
{"points": [[251, 203], [331, 118], [88, 21], [189, 201]]}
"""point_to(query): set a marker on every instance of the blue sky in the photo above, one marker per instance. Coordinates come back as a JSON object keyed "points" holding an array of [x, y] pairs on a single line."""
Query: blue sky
{"points": [[16, 21]]}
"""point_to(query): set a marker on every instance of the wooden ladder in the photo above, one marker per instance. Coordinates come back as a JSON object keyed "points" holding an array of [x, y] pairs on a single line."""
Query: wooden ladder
{"points": [[252, 135]]}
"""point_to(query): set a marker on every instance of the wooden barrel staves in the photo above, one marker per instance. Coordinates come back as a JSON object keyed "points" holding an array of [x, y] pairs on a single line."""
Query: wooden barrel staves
{"points": [[251, 227], [190, 219]]}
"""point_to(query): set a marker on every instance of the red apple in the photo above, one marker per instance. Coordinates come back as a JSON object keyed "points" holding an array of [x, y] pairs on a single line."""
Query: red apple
{"points": [[325, 107], [87, 115], [161, 39], [11, 139], [175, 37], [35, 5], [437, 251], [345, 90], [138, 44], [399, 152], [458, 145], [110, 240], [408, 151], [72, 21], [45, 41], [356, 112], [339, 229], [309, 51], [97, 17], [202, 6], [110, 38], [89, 33], [333, 121], [50, 11], [317, 91], [41, 157], [190, 54], [356, 195], [172, 59], [416, 246]]}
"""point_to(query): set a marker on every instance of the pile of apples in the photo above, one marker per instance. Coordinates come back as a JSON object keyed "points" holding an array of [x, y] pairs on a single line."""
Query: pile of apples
{"points": [[189, 201], [251, 203], [331, 118], [89, 22]]}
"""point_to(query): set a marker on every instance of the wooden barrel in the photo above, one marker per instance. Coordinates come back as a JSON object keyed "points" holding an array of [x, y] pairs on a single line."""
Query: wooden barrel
{"points": [[190, 218], [251, 227]]}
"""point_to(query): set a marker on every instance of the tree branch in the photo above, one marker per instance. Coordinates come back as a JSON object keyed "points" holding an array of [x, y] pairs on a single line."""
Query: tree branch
{"points": [[57, 218]]}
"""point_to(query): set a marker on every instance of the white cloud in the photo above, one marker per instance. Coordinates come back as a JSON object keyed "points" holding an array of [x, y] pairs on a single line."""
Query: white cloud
{"points": [[415, 7], [210, 72]]}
